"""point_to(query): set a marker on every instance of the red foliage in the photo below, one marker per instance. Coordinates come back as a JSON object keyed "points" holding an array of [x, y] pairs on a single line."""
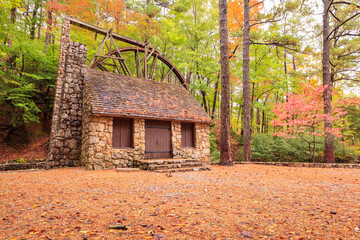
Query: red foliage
{"points": [[303, 113]]}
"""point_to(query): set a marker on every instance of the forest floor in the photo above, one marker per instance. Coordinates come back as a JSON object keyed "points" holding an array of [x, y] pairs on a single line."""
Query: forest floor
{"points": [[34, 150], [245, 201]]}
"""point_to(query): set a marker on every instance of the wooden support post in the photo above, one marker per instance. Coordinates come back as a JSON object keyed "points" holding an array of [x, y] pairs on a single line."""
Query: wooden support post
{"points": [[153, 67]]}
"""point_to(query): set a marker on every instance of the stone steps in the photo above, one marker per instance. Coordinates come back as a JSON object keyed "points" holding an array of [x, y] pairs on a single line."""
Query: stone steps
{"points": [[154, 167], [174, 170], [172, 165]]}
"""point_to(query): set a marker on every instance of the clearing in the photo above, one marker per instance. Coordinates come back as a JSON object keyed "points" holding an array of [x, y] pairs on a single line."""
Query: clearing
{"points": [[245, 201]]}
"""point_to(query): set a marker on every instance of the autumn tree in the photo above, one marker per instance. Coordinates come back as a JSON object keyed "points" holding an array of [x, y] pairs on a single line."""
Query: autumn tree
{"points": [[302, 115]]}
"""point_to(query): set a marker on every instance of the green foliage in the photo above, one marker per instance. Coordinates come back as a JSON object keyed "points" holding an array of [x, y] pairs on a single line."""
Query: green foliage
{"points": [[345, 153], [20, 160], [27, 73], [214, 152], [268, 148]]}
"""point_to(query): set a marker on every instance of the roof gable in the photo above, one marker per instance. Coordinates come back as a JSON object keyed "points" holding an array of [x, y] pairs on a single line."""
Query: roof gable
{"points": [[118, 95]]}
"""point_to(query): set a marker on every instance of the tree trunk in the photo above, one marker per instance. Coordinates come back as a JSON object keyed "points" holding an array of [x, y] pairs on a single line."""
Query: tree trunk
{"points": [[225, 150], [257, 120], [203, 94], [33, 19], [214, 102], [12, 19], [48, 30], [10, 60], [329, 155], [246, 87], [252, 108], [238, 115]]}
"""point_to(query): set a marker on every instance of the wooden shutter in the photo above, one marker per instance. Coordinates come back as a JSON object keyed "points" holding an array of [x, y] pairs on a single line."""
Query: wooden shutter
{"points": [[122, 133], [187, 135]]}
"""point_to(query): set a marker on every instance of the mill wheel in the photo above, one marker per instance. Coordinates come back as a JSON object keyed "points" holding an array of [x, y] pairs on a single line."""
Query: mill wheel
{"points": [[140, 62]]}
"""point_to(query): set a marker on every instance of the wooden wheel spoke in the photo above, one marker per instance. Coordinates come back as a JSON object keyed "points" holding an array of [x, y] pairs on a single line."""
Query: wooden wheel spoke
{"points": [[117, 67], [153, 67], [142, 64], [167, 74], [122, 62], [102, 67], [138, 64]]}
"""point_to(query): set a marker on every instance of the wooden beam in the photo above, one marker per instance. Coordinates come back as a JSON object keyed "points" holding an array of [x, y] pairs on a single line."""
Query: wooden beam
{"points": [[153, 67], [102, 31], [106, 56]]}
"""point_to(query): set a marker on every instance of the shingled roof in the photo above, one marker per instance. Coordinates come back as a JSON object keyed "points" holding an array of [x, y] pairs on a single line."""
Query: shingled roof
{"points": [[124, 96]]}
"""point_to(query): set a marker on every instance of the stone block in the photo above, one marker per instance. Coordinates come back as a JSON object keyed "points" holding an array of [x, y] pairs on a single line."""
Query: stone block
{"points": [[98, 167], [100, 127], [94, 140]]}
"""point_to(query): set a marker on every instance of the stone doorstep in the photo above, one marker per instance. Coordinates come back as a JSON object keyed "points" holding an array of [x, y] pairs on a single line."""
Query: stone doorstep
{"points": [[128, 169], [183, 170], [167, 161], [172, 166]]}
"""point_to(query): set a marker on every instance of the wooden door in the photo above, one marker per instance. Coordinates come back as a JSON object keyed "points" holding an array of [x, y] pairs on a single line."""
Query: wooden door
{"points": [[157, 139]]}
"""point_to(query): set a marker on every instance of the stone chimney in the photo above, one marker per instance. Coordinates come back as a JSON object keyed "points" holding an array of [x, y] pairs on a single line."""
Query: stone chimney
{"points": [[65, 138]]}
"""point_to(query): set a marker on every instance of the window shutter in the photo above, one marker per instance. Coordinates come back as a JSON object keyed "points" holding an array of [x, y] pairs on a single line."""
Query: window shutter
{"points": [[122, 133], [187, 135]]}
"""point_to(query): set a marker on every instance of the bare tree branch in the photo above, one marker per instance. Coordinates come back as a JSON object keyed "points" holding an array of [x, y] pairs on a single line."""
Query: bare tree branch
{"points": [[332, 14], [344, 2], [346, 79], [283, 45], [256, 4], [267, 21], [338, 26], [329, 5]]}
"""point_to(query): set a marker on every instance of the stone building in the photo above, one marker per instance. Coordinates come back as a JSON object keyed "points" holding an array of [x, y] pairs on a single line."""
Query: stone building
{"points": [[126, 119], [106, 120]]}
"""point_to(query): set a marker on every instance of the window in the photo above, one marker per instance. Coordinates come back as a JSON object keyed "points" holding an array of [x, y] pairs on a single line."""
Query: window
{"points": [[187, 135], [122, 133]]}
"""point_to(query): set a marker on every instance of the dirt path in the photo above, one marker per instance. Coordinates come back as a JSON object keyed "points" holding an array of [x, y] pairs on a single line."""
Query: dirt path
{"points": [[245, 201]]}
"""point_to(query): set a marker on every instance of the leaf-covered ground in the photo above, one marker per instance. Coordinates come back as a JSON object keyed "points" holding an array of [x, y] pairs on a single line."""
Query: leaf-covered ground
{"points": [[245, 201]]}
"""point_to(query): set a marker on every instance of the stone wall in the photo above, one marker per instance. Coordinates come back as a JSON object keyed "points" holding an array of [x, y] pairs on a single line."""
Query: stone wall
{"points": [[65, 142], [201, 151], [97, 150], [309, 165]]}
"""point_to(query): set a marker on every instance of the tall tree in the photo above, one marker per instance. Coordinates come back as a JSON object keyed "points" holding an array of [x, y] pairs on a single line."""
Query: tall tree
{"points": [[225, 150], [246, 84], [339, 58], [329, 155]]}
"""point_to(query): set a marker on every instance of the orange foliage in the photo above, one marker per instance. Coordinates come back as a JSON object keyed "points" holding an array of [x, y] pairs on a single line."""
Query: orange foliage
{"points": [[104, 13], [236, 19]]}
